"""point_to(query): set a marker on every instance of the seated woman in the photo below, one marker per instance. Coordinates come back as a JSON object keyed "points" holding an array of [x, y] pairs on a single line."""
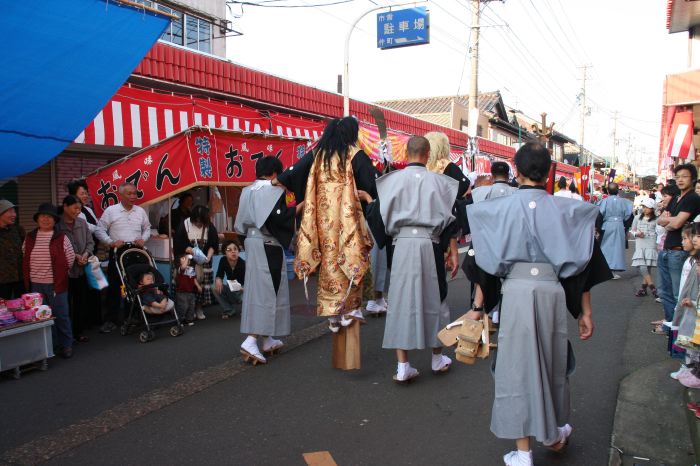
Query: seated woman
{"points": [[154, 301], [230, 276]]}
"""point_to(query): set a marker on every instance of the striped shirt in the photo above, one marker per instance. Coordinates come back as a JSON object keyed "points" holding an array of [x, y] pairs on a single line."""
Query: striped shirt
{"points": [[40, 266]]}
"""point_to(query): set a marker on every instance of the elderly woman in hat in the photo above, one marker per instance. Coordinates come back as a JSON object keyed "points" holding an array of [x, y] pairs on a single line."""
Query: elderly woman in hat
{"points": [[11, 237], [48, 256]]}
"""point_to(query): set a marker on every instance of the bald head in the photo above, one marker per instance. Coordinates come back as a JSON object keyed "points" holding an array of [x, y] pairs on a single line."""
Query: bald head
{"points": [[418, 149]]}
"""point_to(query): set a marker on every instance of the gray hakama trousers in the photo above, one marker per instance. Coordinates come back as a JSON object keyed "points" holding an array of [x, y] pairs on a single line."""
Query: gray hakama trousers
{"points": [[531, 382], [379, 268], [264, 312], [415, 314]]}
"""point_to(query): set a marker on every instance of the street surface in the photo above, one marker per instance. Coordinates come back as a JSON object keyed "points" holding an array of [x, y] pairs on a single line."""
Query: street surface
{"points": [[190, 400]]}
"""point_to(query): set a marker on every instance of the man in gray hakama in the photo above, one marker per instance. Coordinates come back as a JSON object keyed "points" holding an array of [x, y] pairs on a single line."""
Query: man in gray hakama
{"points": [[415, 208], [615, 212], [525, 239], [268, 225], [500, 187]]}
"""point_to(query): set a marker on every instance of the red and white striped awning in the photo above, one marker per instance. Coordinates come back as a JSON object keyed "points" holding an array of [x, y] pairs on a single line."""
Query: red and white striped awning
{"points": [[139, 118], [680, 141], [296, 127]]}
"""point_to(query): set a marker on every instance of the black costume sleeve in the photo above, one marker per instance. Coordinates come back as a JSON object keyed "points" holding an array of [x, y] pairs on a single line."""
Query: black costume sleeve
{"points": [[280, 223], [454, 172], [376, 224], [365, 174], [294, 178], [490, 284], [460, 210], [597, 271]]}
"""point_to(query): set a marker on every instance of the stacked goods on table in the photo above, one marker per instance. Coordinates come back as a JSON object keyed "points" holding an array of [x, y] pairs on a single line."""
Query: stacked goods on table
{"points": [[28, 308]]}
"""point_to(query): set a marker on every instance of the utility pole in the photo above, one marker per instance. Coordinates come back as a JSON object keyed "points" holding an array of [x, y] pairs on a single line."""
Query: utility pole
{"points": [[584, 111], [614, 155]]}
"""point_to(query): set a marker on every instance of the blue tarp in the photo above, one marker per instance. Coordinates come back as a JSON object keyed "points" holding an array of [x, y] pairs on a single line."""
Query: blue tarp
{"points": [[62, 62]]}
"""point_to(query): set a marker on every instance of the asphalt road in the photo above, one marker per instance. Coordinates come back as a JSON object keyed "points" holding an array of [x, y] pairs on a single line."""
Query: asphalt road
{"points": [[189, 400]]}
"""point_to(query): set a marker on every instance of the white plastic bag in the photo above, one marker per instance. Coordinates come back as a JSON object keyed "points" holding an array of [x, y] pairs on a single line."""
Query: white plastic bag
{"points": [[95, 276]]}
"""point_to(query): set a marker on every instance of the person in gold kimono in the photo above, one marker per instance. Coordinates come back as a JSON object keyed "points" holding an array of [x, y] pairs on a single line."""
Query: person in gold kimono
{"points": [[333, 238]]}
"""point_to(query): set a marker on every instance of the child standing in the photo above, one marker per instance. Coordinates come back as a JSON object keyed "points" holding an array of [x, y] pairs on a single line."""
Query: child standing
{"points": [[645, 253], [154, 301], [185, 285]]}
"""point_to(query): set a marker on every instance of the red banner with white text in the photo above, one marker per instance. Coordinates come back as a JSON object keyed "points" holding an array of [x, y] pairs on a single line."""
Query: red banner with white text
{"points": [[197, 157]]}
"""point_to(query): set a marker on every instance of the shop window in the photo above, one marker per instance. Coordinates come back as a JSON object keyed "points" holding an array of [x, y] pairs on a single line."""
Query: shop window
{"points": [[187, 30], [173, 33]]}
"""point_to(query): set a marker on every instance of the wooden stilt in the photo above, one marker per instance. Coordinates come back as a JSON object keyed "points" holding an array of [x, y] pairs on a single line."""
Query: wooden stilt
{"points": [[346, 347]]}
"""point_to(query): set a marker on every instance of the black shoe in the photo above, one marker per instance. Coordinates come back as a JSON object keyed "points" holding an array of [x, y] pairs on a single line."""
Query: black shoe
{"points": [[66, 353]]}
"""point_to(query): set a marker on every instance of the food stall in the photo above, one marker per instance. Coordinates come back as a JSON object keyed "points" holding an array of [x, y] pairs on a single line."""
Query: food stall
{"points": [[197, 157]]}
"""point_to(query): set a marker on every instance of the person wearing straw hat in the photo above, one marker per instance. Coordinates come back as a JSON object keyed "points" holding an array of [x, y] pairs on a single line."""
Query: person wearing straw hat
{"points": [[11, 237], [48, 256]]}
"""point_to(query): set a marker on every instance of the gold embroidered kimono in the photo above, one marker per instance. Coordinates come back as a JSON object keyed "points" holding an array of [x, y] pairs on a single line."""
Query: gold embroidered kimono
{"points": [[333, 237]]}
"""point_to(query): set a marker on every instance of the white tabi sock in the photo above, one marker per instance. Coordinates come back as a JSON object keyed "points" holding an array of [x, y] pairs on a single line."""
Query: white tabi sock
{"points": [[251, 340], [402, 368], [525, 457]]}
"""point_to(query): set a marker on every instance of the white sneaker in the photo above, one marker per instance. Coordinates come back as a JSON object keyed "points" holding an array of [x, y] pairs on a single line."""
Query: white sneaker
{"points": [[373, 307], [382, 303], [616, 277], [658, 300], [200, 315], [405, 373], [440, 363], [674, 375], [250, 349], [270, 345], [518, 458]]}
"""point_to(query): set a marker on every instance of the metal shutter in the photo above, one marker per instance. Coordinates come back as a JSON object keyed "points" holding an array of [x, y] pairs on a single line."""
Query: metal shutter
{"points": [[33, 189]]}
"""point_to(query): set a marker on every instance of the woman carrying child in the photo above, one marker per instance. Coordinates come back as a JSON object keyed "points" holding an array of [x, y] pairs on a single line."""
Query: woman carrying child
{"points": [[645, 253]]}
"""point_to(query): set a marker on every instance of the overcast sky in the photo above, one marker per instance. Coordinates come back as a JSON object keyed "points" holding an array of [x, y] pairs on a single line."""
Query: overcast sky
{"points": [[530, 50]]}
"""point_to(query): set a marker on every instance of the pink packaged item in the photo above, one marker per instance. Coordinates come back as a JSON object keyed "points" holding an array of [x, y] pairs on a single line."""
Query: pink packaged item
{"points": [[14, 305], [25, 316], [32, 300]]}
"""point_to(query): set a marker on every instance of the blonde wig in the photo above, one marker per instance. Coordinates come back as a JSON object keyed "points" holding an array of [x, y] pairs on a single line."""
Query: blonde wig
{"points": [[439, 151]]}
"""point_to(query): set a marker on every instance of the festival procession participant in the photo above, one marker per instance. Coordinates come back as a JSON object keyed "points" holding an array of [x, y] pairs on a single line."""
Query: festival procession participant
{"points": [[615, 211], [524, 239], [683, 208], [380, 280], [414, 207], [333, 237], [120, 223], [500, 172], [268, 226]]}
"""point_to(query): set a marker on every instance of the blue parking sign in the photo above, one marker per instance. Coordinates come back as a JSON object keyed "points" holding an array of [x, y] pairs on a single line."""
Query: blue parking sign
{"points": [[402, 28]]}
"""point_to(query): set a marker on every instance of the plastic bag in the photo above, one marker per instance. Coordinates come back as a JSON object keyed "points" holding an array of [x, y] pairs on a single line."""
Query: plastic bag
{"points": [[198, 255], [95, 276]]}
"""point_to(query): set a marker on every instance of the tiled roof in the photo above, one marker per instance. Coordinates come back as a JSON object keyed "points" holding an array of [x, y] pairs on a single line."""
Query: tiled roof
{"points": [[427, 105]]}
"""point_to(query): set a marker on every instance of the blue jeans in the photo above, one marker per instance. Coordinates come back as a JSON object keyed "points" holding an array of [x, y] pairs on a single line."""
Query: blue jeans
{"points": [[669, 266], [62, 330]]}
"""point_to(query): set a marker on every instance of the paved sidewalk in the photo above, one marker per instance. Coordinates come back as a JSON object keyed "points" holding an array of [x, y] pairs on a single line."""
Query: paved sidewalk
{"points": [[651, 426]]}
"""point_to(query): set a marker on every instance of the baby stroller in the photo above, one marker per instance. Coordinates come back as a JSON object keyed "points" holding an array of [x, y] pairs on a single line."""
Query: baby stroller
{"points": [[132, 262]]}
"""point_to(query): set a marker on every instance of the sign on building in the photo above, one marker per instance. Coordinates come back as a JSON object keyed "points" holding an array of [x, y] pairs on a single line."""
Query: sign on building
{"points": [[402, 28]]}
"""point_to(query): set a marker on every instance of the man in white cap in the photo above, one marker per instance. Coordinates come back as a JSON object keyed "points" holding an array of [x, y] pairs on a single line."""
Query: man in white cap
{"points": [[11, 237]]}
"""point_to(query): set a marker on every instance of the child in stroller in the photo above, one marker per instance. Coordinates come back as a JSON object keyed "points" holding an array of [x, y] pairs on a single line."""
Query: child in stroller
{"points": [[153, 299], [146, 292]]}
